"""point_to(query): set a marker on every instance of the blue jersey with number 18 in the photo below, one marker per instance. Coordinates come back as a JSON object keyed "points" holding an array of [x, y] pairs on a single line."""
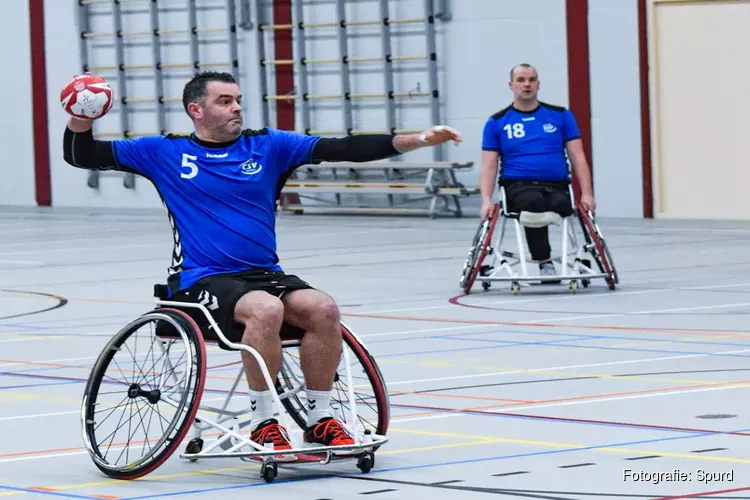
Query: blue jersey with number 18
{"points": [[221, 198], [531, 144]]}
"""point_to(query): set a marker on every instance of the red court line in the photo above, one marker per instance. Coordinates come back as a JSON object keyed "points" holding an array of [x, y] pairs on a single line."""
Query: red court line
{"points": [[676, 331], [706, 493]]}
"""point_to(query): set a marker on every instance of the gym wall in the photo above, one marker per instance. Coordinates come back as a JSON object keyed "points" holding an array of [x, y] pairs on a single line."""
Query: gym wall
{"points": [[16, 133], [476, 47]]}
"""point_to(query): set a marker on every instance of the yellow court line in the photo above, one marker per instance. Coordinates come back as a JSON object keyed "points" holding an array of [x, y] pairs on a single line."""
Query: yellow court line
{"points": [[551, 444], [472, 440]]}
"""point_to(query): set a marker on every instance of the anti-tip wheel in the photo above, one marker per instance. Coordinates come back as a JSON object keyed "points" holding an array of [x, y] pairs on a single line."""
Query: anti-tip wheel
{"points": [[515, 287], [574, 286], [193, 447], [366, 462], [269, 471]]}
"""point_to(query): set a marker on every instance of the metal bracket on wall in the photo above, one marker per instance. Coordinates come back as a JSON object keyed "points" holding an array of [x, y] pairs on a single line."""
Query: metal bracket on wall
{"points": [[442, 10], [246, 18]]}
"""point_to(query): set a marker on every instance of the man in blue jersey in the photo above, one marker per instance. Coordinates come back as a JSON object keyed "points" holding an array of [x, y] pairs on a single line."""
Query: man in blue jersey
{"points": [[220, 186], [530, 140]]}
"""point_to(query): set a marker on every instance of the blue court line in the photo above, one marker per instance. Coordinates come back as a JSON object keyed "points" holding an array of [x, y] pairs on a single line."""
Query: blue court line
{"points": [[558, 420], [605, 348], [24, 327], [557, 334], [506, 343], [421, 466], [3, 387]]}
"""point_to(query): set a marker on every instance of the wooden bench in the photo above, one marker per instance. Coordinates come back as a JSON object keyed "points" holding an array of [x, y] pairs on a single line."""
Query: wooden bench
{"points": [[402, 183]]}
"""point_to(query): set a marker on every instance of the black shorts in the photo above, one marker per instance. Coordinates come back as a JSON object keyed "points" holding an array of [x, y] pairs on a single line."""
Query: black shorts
{"points": [[538, 196], [220, 293]]}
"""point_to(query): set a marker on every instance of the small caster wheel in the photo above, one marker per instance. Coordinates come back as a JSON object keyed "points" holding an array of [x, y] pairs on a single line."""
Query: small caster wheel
{"points": [[195, 445], [269, 471], [574, 286], [486, 285], [366, 462], [515, 288]]}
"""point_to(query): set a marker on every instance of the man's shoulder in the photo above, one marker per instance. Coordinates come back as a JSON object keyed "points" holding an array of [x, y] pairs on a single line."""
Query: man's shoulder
{"points": [[500, 114], [555, 108]]}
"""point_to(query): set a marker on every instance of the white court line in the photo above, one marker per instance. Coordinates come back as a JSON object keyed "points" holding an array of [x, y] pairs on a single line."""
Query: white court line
{"points": [[569, 403], [570, 367], [563, 297], [447, 415]]}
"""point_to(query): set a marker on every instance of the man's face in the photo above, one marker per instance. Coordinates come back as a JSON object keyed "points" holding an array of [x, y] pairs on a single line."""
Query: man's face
{"points": [[525, 84], [221, 110]]}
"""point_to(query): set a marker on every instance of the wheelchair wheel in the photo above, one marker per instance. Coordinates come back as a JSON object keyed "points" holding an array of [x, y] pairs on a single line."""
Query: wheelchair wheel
{"points": [[479, 246], [599, 250], [370, 392], [143, 393]]}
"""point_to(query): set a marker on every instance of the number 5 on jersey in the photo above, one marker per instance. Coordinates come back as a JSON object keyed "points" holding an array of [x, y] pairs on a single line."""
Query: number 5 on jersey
{"points": [[186, 163], [516, 130]]}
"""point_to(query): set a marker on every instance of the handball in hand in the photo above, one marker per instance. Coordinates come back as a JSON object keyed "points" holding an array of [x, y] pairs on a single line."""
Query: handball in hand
{"points": [[88, 97]]}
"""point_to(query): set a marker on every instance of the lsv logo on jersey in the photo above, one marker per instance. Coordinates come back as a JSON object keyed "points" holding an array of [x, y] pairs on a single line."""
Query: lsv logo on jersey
{"points": [[549, 128], [251, 167]]}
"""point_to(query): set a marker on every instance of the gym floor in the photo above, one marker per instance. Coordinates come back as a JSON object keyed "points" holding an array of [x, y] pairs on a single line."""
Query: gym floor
{"points": [[633, 393]]}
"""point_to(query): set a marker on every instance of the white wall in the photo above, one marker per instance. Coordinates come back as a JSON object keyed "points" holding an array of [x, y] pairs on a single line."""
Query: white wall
{"points": [[615, 107], [476, 49], [16, 127]]}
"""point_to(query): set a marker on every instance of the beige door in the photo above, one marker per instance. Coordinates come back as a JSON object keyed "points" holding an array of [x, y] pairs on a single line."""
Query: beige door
{"points": [[700, 90]]}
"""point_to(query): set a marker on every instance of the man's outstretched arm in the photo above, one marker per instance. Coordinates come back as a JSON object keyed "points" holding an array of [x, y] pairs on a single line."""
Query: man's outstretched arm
{"points": [[364, 148], [81, 150]]}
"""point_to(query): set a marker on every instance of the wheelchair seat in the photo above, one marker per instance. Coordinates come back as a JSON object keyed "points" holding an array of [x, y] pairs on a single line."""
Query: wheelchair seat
{"points": [[289, 333]]}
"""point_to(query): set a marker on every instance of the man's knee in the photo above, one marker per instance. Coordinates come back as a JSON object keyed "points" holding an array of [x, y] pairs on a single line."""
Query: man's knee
{"points": [[259, 307], [561, 205], [312, 310]]}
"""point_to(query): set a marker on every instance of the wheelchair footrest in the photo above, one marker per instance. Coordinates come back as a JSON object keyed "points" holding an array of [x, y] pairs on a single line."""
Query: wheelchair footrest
{"points": [[303, 454]]}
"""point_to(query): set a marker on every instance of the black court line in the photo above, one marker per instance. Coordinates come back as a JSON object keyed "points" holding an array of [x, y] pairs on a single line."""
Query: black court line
{"points": [[584, 464], [375, 492], [61, 301]]}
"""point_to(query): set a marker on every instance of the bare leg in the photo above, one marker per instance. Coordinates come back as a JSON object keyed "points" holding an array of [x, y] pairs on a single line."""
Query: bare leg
{"points": [[262, 315], [319, 316]]}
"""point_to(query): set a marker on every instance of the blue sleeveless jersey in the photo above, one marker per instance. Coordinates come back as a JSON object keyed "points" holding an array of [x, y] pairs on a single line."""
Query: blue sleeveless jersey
{"points": [[221, 199], [531, 144]]}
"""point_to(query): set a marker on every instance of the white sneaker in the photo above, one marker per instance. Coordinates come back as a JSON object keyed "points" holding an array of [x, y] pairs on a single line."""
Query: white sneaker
{"points": [[548, 269]]}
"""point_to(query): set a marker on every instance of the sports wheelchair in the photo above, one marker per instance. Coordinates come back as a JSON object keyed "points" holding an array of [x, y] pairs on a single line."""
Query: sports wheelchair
{"points": [[135, 416], [488, 263]]}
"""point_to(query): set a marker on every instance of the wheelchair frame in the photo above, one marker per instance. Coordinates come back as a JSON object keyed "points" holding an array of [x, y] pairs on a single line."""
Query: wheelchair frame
{"points": [[571, 257], [231, 443]]}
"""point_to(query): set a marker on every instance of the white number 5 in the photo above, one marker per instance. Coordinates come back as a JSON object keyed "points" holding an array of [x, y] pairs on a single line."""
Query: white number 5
{"points": [[186, 163]]}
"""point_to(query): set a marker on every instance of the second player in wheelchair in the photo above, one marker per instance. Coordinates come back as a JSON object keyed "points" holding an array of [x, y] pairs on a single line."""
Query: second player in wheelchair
{"points": [[532, 151]]}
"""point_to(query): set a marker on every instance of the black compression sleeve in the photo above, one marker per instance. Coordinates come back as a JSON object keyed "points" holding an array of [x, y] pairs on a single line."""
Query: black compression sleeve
{"points": [[81, 150], [356, 148]]}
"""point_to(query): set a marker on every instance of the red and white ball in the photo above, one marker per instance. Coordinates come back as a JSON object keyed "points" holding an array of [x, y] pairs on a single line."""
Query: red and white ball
{"points": [[87, 96]]}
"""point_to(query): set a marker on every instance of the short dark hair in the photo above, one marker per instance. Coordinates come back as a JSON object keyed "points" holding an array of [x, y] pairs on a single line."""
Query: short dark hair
{"points": [[522, 65], [195, 89]]}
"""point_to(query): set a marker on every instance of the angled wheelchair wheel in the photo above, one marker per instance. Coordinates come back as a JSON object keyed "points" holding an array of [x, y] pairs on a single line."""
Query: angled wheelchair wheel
{"points": [[143, 393], [598, 247], [478, 251], [370, 392]]}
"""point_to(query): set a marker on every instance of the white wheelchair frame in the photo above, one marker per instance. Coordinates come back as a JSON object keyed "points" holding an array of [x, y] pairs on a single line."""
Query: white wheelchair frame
{"points": [[572, 256], [231, 443]]}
